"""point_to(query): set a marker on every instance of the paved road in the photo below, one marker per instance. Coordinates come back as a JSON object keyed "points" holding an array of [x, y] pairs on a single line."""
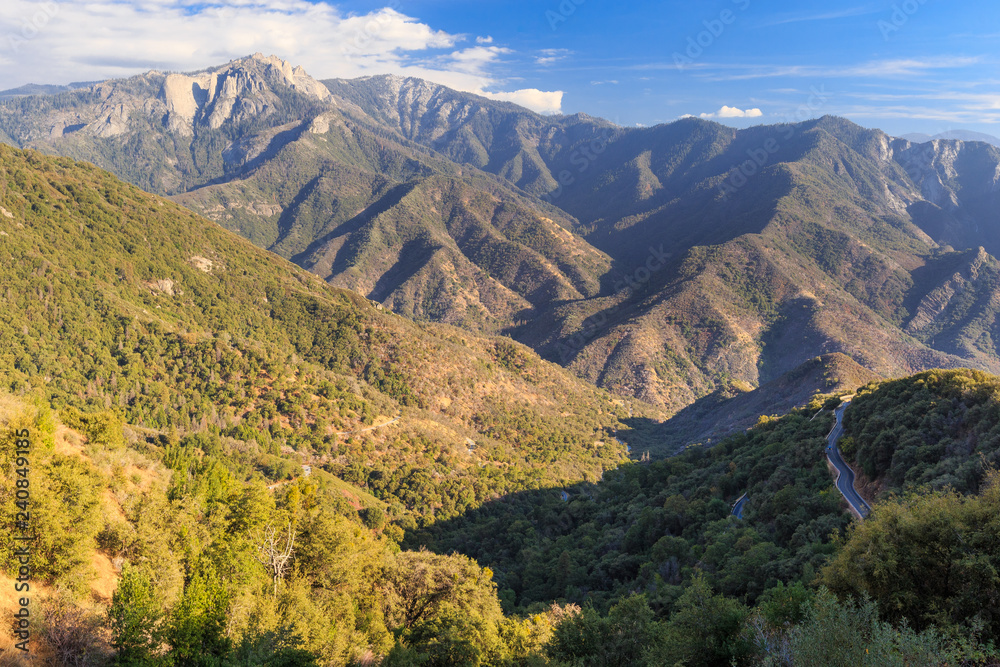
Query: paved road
{"points": [[845, 476], [738, 507]]}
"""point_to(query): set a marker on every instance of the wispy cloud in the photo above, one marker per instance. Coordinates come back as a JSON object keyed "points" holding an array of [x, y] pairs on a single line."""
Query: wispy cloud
{"points": [[473, 60], [823, 16], [550, 56], [961, 102], [876, 69], [919, 112]]}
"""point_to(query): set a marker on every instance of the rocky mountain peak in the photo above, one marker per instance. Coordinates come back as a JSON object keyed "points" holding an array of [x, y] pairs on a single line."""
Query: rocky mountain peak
{"points": [[244, 87]]}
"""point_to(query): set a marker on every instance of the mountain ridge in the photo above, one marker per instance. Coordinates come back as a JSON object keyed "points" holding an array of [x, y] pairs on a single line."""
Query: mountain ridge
{"points": [[663, 263]]}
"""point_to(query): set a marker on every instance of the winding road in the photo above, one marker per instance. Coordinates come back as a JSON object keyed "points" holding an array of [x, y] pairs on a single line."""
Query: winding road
{"points": [[845, 476], [738, 507]]}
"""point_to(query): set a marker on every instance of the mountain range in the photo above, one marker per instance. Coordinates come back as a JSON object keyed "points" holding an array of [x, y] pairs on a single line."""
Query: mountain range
{"points": [[959, 135], [222, 458], [683, 263]]}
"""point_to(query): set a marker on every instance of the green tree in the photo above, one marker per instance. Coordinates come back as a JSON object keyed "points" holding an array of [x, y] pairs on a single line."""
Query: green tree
{"points": [[705, 629], [850, 634], [628, 635], [133, 618], [932, 559], [784, 606], [196, 631]]}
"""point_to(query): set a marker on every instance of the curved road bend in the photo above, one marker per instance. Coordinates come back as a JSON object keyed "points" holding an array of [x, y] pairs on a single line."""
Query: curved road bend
{"points": [[845, 476], [738, 507]]}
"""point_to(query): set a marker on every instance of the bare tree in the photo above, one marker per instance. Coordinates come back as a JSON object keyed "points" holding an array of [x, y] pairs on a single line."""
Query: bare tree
{"points": [[72, 633], [274, 551]]}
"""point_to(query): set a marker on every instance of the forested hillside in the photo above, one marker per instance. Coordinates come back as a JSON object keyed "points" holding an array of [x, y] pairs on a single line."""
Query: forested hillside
{"points": [[216, 394], [934, 430], [143, 560], [655, 548], [653, 527], [128, 306]]}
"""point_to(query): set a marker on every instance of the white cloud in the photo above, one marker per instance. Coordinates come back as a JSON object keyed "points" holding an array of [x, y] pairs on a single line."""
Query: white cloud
{"points": [[474, 60], [549, 56], [733, 112], [540, 101], [611, 82], [83, 40], [826, 16]]}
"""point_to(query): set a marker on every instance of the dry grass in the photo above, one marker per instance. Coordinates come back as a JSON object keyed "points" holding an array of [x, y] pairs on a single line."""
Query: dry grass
{"points": [[106, 581]]}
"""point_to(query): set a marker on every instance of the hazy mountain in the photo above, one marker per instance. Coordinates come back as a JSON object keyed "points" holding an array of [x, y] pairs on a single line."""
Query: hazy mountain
{"points": [[501, 138], [42, 89], [957, 135]]}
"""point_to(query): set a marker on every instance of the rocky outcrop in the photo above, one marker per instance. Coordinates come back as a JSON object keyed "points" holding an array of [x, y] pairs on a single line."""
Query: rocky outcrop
{"points": [[243, 88], [240, 90]]}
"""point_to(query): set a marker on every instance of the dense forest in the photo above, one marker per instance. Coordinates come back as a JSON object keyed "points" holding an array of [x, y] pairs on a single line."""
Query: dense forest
{"points": [[214, 570], [938, 429]]}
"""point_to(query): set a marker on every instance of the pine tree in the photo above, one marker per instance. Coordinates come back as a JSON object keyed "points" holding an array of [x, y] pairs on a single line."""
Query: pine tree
{"points": [[133, 619]]}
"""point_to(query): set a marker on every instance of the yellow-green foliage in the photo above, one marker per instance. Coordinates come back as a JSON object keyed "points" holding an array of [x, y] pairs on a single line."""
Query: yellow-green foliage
{"points": [[938, 429], [931, 559], [126, 310], [193, 589]]}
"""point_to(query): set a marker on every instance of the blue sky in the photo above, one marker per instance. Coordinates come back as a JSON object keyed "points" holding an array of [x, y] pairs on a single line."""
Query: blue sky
{"points": [[904, 66]]}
